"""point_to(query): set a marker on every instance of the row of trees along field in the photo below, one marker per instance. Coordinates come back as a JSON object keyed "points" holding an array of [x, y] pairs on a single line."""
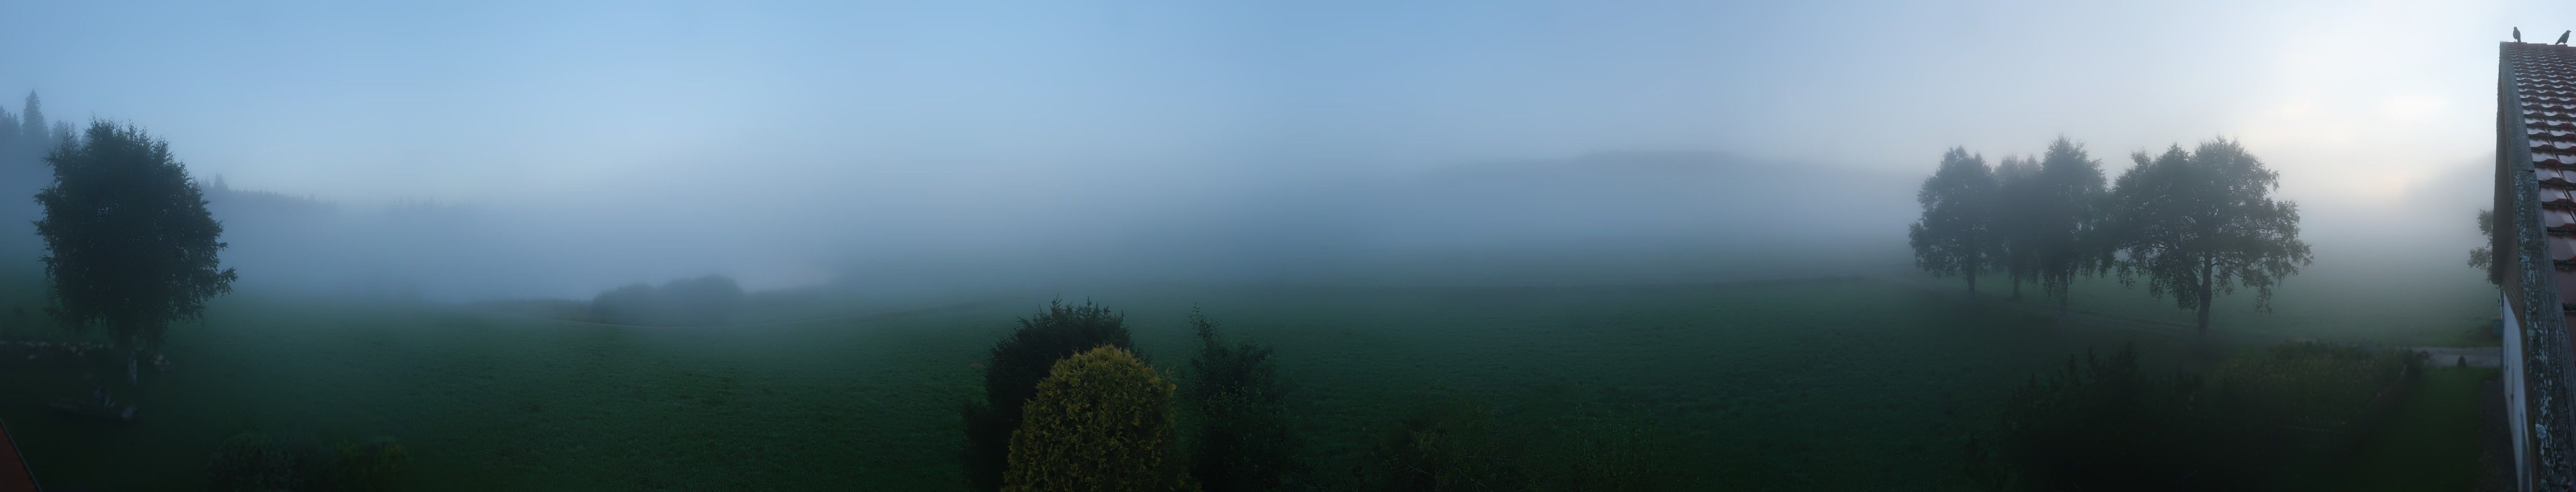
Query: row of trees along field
{"points": [[2191, 223]]}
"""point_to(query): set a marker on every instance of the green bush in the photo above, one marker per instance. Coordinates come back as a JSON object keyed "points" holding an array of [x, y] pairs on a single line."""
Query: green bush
{"points": [[1241, 438], [1011, 376], [370, 466], [251, 461], [1446, 447], [1458, 446], [1102, 421], [2314, 383], [2102, 424], [1607, 447]]}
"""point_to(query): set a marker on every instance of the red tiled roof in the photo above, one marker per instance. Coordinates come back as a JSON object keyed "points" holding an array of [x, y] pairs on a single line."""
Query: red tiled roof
{"points": [[14, 476], [2544, 85]]}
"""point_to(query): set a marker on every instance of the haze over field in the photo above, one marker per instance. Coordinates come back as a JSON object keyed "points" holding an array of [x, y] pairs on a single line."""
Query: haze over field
{"points": [[1337, 245], [563, 149]]}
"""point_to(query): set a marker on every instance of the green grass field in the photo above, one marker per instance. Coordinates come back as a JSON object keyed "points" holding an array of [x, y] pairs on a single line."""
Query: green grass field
{"points": [[2446, 307], [2429, 442], [1843, 384]]}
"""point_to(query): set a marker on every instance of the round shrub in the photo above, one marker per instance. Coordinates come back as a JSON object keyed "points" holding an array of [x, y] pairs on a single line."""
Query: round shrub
{"points": [[1101, 421], [1011, 376]]}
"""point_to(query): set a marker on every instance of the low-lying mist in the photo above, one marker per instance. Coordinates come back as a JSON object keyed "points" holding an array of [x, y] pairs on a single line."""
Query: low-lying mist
{"points": [[1605, 216]]}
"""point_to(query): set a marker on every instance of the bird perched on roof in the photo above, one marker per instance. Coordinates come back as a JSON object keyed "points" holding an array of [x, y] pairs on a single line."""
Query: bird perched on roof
{"points": [[2562, 38], [2517, 34]]}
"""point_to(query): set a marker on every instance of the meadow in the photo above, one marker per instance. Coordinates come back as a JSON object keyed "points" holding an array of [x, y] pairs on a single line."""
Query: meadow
{"points": [[1846, 383]]}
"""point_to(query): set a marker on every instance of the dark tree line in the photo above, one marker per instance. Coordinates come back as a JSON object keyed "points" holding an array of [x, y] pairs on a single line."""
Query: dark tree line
{"points": [[2195, 224], [25, 137]]}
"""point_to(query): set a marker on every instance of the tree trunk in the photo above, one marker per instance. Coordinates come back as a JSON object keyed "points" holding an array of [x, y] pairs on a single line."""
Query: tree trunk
{"points": [[2206, 267], [1972, 277], [2016, 281], [2065, 292]]}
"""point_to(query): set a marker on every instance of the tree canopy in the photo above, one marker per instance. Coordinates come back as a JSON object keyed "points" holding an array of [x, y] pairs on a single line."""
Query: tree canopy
{"points": [[1954, 236], [129, 243], [2483, 256], [2016, 218], [2201, 223], [2068, 190]]}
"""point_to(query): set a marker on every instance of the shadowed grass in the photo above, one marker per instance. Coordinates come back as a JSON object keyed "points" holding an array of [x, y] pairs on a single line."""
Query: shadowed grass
{"points": [[1782, 385]]}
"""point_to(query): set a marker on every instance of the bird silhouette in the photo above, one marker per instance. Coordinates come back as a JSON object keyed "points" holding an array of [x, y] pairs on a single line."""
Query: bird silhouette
{"points": [[2562, 38], [2517, 35]]}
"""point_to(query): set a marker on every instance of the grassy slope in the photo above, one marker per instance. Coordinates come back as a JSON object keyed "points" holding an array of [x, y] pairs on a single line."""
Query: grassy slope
{"points": [[1804, 385], [1800, 385]]}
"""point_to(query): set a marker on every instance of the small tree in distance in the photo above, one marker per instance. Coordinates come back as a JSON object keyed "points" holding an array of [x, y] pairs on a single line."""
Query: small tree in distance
{"points": [[2483, 257], [129, 244]]}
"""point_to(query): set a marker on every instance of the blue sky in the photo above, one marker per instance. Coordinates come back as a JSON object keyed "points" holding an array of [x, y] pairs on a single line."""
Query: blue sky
{"points": [[2374, 110], [443, 99]]}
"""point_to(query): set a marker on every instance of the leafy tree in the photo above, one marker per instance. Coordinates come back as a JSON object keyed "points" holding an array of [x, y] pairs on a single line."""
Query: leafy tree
{"points": [[1954, 236], [2203, 223], [2070, 190], [2483, 257], [2017, 220], [1243, 440], [1100, 421], [1011, 376], [130, 245]]}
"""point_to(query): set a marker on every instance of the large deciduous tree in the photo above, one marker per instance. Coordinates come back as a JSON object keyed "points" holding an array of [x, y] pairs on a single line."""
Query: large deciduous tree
{"points": [[1954, 236], [2203, 223], [129, 245], [2069, 190], [2015, 216]]}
